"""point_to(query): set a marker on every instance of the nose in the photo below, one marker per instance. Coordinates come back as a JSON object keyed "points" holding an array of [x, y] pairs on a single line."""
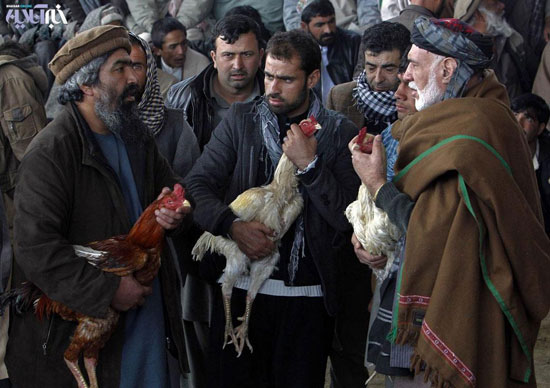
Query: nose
{"points": [[131, 77], [326, 29], [379, 76], [407, 76], [273, 86], [520, 117], [179, 49], [238, 62], [400, 92]]}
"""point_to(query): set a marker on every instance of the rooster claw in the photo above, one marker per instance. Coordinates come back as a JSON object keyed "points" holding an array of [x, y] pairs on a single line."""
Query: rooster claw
{"points": [[241, 334]]}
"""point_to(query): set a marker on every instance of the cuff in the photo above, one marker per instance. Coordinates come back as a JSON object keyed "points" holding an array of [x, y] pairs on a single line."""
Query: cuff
{"points": [[385, 194]]}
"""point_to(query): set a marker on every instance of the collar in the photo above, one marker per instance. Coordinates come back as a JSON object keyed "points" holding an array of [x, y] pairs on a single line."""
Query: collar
{"points": [[175, 71], [221, 101], [536, 164]]}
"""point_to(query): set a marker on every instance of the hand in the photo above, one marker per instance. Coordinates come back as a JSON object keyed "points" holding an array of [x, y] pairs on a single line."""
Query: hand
{"points": [[253, 238], [371, 168], [129, 294], [171, 219], [299, 148], [375, 262]]}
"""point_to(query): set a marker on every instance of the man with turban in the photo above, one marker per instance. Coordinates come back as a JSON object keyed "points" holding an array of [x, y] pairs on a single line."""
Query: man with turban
{"points": [[472, 289], [86, 177]]}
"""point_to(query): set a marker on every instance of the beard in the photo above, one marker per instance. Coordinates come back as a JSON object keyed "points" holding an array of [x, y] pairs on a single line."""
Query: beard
{"points": [[326, 39], [429, 95], [121, 117], [288, 106], [496, 24]]}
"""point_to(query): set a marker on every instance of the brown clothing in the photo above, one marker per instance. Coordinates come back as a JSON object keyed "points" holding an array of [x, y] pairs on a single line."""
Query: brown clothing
{"points": [[340, 99], [477, 214]]}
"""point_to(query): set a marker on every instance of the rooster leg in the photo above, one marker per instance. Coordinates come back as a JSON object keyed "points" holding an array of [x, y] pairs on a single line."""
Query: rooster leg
{"points": [[90, 364], [75, 370], [228, 335], [260, 270]]}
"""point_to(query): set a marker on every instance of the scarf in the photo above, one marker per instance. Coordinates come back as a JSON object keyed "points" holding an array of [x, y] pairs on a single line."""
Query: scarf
{"points": [[151, 106], [270, 135], [376, 106], [477, 216], [453, 38]]}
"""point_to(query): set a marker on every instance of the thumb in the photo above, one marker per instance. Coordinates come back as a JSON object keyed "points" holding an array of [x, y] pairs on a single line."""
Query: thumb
{"points": [[377, 145]]}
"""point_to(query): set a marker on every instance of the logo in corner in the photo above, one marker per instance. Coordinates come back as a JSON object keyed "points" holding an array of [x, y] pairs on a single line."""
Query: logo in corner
{"points": [[20, 15]]}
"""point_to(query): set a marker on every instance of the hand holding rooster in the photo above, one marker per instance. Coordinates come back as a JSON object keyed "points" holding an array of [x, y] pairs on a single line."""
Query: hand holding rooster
{"points": [[253, 238], [299, 148], [371, 167], [170, 219]]}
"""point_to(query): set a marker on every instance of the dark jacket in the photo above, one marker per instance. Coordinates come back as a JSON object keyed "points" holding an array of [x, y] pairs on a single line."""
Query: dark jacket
{"points": [[543, 178], [342, 57], [68, 194], [193, 96], [229, 165]]}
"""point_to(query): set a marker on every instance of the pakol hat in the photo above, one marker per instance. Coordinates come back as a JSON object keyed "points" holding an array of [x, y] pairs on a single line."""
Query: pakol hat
{"points": [[85, 47]]}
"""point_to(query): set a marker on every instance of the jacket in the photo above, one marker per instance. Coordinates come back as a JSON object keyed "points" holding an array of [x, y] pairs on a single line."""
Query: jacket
{"points": [[340, 99], [23, 87], [342, 57], [229, 165], [193, 96], [543, 178], [68, 194]]}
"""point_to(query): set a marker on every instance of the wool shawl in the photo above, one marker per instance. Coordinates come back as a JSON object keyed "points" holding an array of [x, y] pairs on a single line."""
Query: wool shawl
{"points": [[473, 288]]}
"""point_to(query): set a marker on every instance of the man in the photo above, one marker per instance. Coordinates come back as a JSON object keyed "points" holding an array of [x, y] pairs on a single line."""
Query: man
{"points": [[416, 8], [488, 228], [23, 88], [370, 101], [510, 64], [233, 76], [170, 45], [339, 47], [88, 174], [291, 332], [532, 114]]}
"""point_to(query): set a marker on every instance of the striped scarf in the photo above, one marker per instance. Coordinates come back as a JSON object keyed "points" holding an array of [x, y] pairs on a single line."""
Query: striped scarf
{"points": [[375, 106], [151, 106]]}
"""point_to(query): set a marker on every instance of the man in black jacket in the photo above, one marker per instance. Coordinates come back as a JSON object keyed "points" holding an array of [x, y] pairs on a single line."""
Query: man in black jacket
{"points": [[532, 114], [291, 323], [233, 77], [339, 47]]}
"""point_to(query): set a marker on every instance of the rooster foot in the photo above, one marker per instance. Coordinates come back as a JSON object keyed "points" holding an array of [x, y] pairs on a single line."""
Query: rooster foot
{"points": [[229, 335], [241, 334], [75, 370]]}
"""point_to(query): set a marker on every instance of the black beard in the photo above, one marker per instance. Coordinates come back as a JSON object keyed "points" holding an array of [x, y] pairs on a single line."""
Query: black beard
{"points": [[124, 121]]}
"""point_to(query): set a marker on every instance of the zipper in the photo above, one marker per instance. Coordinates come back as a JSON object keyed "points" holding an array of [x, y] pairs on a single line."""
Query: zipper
{"points": [[45, 344]]}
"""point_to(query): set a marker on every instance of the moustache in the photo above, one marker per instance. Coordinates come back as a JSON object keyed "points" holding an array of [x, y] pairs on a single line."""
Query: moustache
{"points": [[276, 96], [238, 72], [328, 35]]}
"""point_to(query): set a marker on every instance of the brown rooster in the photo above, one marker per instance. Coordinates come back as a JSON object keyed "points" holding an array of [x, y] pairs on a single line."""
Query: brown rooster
{"points": [[136, 253], [276, 205]]}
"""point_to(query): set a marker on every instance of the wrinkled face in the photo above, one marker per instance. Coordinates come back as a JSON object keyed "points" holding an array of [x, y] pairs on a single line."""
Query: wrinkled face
{"points": [[286, 86], [527, 119], [405, 102], [322, 29], [381, 69], [139, 65], [237, 63], [424, 75], [174, 48], [174, 200], [117, 81]]}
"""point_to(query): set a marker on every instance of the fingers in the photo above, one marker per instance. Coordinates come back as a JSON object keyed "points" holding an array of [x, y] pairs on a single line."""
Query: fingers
{"points": [[170, 219], [352, 145], [377, 146], [165, 191], [355, 242]]}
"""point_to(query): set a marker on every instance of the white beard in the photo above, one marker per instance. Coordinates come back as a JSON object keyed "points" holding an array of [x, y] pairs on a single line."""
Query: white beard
{"points": [[496, 24], [429, 95]]}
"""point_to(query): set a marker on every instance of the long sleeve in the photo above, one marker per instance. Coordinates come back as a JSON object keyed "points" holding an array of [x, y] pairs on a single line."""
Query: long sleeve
{"points": [[192, 12], [368, 13], [291, 17], [396, 204]]}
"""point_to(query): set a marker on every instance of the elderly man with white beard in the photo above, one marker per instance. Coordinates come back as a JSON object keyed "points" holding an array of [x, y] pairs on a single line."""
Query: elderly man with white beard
{"points": [[510, 62], [474, 268]]}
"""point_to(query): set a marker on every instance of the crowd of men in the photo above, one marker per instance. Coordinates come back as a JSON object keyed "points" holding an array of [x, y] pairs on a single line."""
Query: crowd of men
{"points": [[104, 113]]}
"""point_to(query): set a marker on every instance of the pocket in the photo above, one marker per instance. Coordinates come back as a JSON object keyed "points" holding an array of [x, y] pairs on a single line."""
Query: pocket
{"points": [[21, 123]]}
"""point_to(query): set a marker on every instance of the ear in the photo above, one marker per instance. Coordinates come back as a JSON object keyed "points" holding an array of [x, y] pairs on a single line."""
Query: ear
{"points": [[449, 68], [261, 53], [313, 78], [87, 90], [542, 126], [213, 56], [303, 26], [156, 50]]}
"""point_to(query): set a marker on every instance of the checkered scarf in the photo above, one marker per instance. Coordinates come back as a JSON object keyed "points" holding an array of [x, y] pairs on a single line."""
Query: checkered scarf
{"points": [[452, 38], [376, 106], [151, 106]]}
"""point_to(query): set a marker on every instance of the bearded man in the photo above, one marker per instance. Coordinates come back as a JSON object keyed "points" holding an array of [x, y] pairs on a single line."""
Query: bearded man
{"points": [[86, 177], [510, 62], [292, 325], [466, 196]]}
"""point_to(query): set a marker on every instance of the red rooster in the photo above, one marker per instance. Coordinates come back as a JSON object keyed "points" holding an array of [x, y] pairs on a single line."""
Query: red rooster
{"points": [[136, 253]]}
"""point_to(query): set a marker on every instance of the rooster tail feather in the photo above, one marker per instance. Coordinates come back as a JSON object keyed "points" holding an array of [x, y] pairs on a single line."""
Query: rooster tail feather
{"points": [[204, 244], [94, 257], [22, 297]]}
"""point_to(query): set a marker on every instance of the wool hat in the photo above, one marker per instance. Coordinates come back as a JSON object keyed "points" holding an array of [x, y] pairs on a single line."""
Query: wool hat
{"points": [[464, 9], [111, 14], [85, 47]]}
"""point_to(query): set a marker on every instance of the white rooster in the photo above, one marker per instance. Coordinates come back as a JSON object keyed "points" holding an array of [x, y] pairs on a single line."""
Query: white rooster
{"points": [[371, 225], [276, 205]]}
